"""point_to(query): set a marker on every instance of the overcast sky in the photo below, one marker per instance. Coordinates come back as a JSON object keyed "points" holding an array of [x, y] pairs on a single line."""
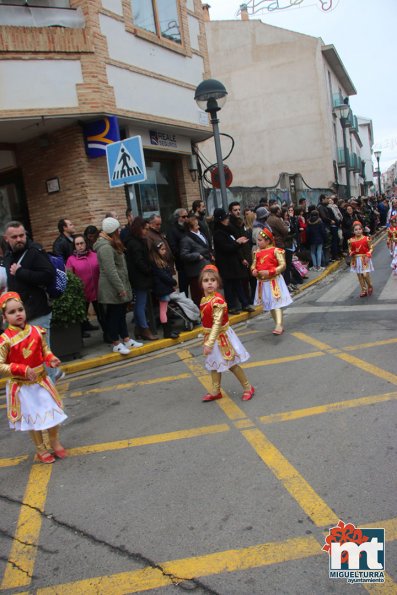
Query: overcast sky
{"points": [[364, 33]]}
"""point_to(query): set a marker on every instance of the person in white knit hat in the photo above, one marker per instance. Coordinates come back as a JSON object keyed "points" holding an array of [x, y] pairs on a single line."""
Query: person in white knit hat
{"points": [[114, 290]]}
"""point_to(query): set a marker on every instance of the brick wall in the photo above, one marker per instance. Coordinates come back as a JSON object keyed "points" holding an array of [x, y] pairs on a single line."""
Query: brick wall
{"points": [[189, 190], [85, 195]]}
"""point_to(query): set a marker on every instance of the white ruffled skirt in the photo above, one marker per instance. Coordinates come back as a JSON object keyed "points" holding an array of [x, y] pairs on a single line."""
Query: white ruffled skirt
{"points": [[393, 263], [38, 409], [269, 302], [215, 360], [360, 267]]}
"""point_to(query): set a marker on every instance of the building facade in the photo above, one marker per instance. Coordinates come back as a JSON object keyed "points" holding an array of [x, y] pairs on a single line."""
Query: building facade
{"points": [[71, 63], [284, 91]]}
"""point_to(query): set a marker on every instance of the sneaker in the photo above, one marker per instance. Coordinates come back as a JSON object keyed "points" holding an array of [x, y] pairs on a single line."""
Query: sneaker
{"points": [[321, 269], [121, 348], [59, 375], [132, 343]]}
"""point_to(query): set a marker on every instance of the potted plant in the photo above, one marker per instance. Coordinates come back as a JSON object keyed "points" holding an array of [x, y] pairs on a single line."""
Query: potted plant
{"points": [[68, 312]]}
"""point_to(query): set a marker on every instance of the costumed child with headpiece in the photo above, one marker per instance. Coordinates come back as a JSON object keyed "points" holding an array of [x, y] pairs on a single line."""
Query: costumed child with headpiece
{"points": [[222, 348], [360, 251], [392, 242], [391, 238], [271, 290], [33, 403]]}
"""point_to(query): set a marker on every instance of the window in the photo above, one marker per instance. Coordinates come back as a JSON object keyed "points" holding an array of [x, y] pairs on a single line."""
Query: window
{"points": [[159, 17], [38, 3]]}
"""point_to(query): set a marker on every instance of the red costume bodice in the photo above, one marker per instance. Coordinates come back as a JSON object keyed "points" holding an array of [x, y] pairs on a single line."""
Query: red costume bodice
{"points": [[207, 309], [360, 246]]}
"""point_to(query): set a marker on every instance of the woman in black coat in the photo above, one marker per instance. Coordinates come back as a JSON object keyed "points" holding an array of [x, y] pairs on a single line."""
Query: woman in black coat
{"points": [[140, 275], [229, 261], [194, 253]]}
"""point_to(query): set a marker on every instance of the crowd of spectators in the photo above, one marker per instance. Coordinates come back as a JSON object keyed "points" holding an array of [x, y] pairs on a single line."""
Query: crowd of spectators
{"points": [[144, 261]]}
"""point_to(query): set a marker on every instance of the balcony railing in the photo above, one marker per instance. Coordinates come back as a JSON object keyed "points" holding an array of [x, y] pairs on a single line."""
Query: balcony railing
{"points": [[353, 162], [337, 99]]}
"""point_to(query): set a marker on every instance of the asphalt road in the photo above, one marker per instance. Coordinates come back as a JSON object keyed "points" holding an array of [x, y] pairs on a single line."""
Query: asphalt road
{"points": [[164, 494]]}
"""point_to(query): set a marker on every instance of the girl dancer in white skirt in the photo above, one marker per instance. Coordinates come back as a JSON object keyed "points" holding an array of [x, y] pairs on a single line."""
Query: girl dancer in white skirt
{"points": [[222, 347], [360, 250], [271, 290], [33, 403]]}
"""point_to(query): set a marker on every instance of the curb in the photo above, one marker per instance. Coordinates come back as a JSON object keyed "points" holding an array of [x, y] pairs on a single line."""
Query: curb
{"points": [[112, 358]]}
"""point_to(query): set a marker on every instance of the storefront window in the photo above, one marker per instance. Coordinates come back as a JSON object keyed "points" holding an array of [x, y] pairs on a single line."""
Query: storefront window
{"points": [[158, 16], [12, 204], [159, 193]]}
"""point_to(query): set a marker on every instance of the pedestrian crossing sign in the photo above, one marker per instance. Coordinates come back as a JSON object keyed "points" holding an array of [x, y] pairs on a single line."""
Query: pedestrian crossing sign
{"points": [[126, 163]]}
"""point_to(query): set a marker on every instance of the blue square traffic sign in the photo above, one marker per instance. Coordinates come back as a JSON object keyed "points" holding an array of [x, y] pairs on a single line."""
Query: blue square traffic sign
{"points": [[126, 163]]}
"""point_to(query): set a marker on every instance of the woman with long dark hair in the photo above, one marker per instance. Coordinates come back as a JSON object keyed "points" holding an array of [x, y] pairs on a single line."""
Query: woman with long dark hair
{"points": [[141, 276]]}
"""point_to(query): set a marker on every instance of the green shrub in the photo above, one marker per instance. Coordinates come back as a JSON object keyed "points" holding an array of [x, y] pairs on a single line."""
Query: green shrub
{"points": [[70, 307]]}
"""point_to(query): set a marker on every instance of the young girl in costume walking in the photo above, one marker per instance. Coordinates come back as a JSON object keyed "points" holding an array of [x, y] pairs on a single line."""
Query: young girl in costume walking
{"points": [[360, 250], [163, 285], [391, 240], [271, 290], [222, 347], [33, 403]]}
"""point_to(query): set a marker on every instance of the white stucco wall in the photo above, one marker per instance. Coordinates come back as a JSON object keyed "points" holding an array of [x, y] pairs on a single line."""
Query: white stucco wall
{"points": [[113, 5], [39, 83], [194, 31], [146, 95], [277, 108], [130, 49]]}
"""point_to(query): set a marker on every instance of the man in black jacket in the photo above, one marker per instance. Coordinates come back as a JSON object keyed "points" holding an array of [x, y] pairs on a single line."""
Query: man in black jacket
{"points": [[63, 245], [175, 233], [29, 272]]}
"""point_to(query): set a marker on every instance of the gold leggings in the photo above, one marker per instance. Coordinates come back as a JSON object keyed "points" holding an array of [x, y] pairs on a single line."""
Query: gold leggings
{"points": [[239, 374], [365, 281], [277, 315], [38, 440]]}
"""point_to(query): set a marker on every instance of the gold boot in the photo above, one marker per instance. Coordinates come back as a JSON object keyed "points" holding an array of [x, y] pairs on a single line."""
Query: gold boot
{"points": [[243, 380], [215, 393], [59, 451], [363, 285], [42, 453], [278, 319], [368, 282]]}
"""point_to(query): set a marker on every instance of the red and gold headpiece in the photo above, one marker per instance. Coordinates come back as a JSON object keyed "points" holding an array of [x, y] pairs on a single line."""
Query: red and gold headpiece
{"points": [[357, 223], [266, 234], [9, 295], [210, 267]]}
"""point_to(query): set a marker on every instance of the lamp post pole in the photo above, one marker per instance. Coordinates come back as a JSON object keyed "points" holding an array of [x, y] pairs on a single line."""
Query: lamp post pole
{"points": [[343, 122], [210, 96], [377, 156], [218, 150]]}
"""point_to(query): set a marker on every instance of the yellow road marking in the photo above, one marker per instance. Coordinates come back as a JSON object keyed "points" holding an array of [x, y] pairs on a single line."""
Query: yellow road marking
{"points": [[367, 367], [244, 423], [146, 440], [138, 581], [229, 407], [104, 389], [320, 513], [28, 530], [311, 341], [283, 360], [389, 587], [11, 462], [350, 359], [319, 409], [373, 344]]}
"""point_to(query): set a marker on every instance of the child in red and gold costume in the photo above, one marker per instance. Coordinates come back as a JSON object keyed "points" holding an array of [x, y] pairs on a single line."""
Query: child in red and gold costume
{"points": [[391, 238], [271, 290], [360, 250], [222, 347], [33, 403]]}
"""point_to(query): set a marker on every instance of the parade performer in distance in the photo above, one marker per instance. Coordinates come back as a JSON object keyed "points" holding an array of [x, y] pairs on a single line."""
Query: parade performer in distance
{"points": [[391, 238], [222, 347], [271, 290], [360, 251], [33, 403]]}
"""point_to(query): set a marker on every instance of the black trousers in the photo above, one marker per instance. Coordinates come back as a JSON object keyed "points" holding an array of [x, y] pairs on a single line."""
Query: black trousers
{"points": [[234, 288], [115, 322]]}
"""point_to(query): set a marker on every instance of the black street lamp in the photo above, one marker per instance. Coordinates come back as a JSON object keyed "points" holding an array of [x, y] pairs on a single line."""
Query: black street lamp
{"points": [[377, 157], [344, 113], [210, 96]]}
